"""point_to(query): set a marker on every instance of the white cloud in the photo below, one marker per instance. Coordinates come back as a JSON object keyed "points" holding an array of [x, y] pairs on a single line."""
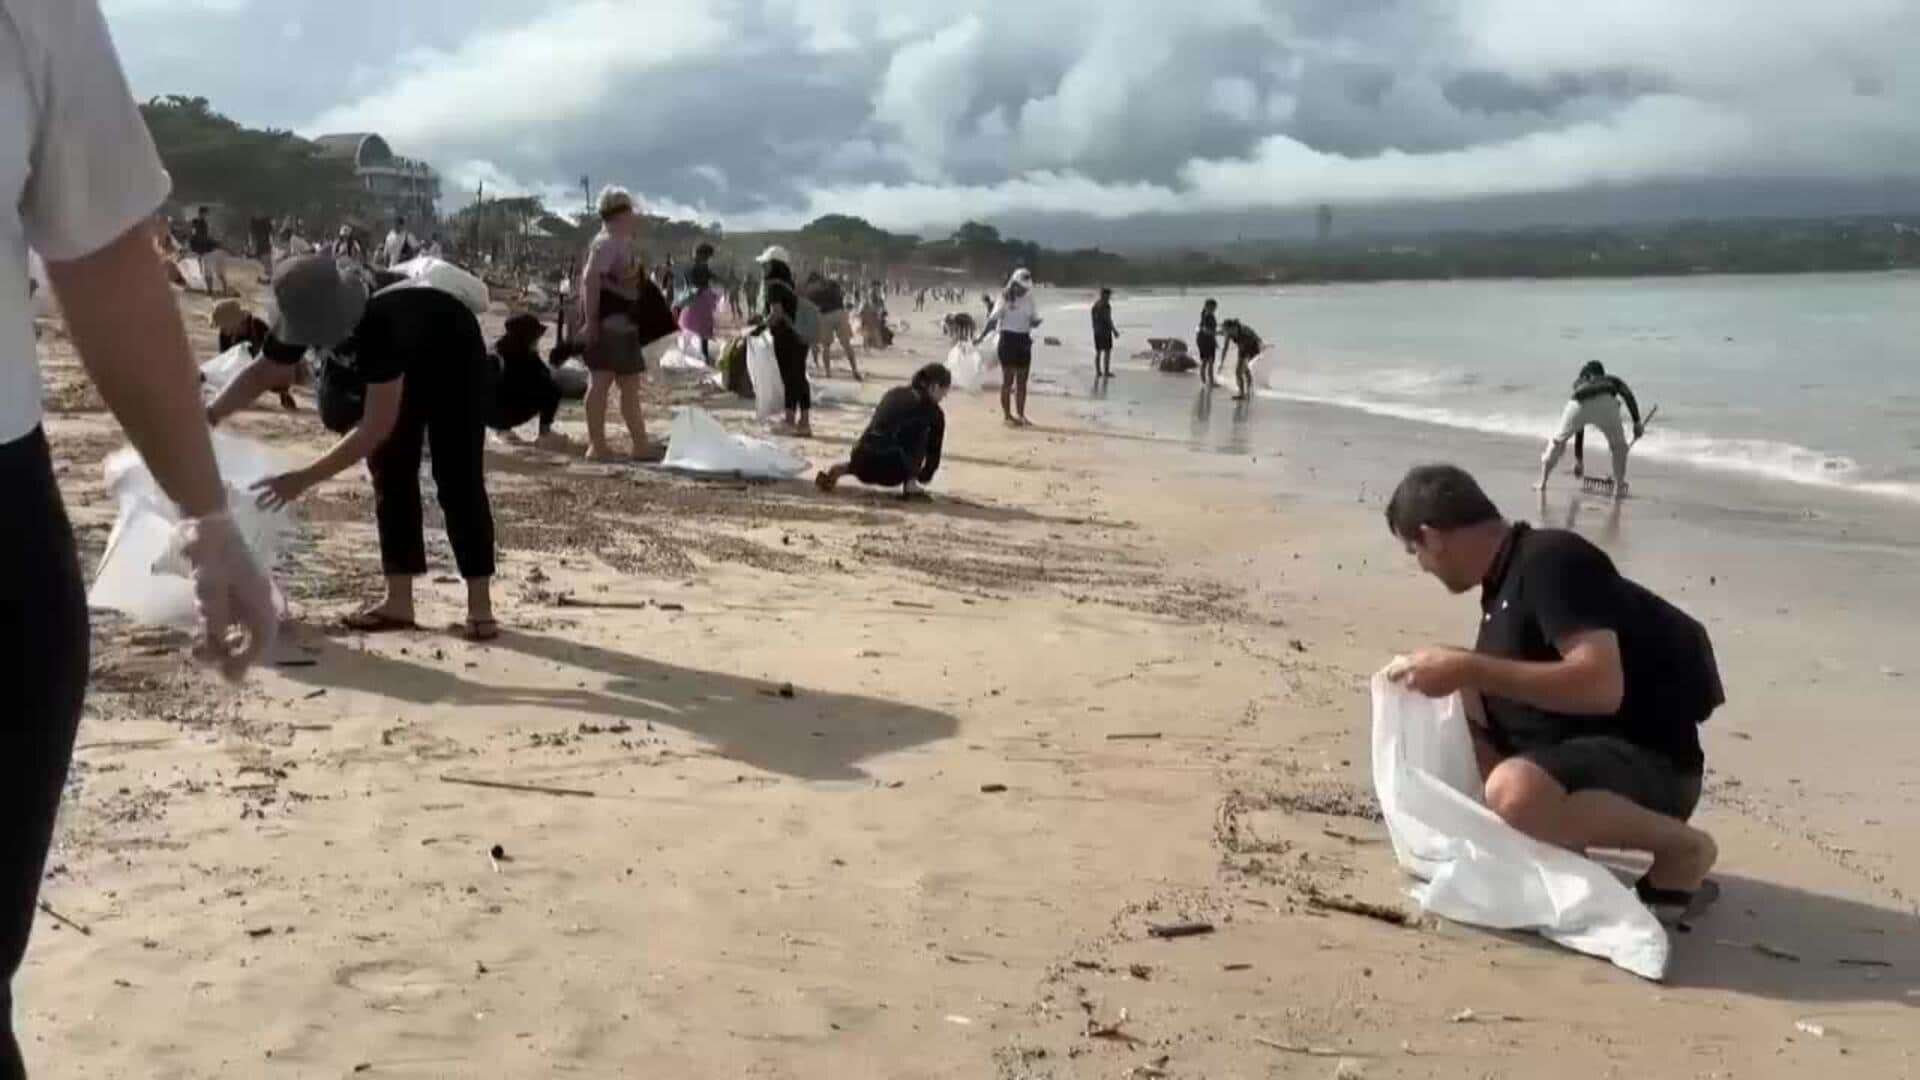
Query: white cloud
{"points": [[920, 113]]}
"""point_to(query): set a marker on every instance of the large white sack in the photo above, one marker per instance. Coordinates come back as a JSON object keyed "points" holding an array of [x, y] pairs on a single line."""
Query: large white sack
{"points": [[769, 393], [697, 443], [684, 357], [190, 273], [216, 373], [137, 577], [1478, 869], [963, 360], [435, 273]]}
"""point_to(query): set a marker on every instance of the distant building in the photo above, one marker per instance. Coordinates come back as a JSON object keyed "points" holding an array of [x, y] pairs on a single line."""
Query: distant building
{"points": [[394, 186]]}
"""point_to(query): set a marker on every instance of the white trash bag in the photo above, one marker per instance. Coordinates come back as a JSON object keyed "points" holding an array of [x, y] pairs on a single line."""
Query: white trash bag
{"points": [[42, 287], [138, 577], [216, 373], [435, 273], [685, 357], [964, 361], [769, 393], [1478, 869], [697, 443]]}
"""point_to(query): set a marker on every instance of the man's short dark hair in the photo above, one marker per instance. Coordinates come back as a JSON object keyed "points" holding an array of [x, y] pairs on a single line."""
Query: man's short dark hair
{"points": [[704, 251], [932, 375], [1440, 497]]}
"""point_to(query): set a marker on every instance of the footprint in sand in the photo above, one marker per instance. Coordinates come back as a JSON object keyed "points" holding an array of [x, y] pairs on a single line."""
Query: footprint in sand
{"points": [[392, 981]]}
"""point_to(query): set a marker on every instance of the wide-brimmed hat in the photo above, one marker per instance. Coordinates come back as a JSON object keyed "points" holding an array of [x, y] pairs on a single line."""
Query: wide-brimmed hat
{"points": [[776, 253], [319, 307], [228, 316], [526, 324]]}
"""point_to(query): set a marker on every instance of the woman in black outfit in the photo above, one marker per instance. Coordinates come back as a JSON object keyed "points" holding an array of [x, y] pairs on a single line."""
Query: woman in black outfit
{"points": [[275, 367], [780, 307], [1207, 341], [902, 443], [421, 357], [527, 389]]}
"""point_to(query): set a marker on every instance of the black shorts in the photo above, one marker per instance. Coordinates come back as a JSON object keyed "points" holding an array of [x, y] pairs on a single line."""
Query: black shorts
{"points": [[1208, 345], [1102, 343], [1016, 351], [1607, 763]]}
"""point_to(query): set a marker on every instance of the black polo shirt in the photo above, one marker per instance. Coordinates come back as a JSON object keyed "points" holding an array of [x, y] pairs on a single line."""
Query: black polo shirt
{"points": [[1546, 584]]}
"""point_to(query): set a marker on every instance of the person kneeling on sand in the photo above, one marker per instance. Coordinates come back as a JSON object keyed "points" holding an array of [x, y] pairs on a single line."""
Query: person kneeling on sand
{"points": [[275, 367], [527, 388], [1584, 692], [901, 446]]}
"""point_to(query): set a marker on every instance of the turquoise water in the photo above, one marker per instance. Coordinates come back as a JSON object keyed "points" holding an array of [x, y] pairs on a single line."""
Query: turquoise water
{"points": [[1811, 379]]}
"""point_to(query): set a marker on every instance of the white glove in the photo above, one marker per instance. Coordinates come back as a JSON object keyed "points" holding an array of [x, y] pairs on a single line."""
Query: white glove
{"points": [[230, 592]]}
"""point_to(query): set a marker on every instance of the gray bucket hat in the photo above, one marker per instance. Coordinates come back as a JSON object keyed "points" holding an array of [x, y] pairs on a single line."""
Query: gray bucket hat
{"points": [[319, 307]]}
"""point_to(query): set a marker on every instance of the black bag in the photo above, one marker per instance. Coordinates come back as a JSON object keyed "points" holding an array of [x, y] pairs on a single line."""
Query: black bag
{"points": [[342, 394]]}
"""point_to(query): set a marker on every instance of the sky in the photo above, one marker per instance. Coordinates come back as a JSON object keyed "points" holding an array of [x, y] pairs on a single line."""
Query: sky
{"points": [[1090, 120]]}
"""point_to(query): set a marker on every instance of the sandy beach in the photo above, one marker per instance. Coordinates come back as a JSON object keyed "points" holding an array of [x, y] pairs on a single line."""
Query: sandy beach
{"points": [[837, 786]]}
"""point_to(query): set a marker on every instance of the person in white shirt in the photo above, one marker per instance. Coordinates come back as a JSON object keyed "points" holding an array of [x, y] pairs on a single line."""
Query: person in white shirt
{"points": [[1017, 318], [83, 181], [399, 246]]}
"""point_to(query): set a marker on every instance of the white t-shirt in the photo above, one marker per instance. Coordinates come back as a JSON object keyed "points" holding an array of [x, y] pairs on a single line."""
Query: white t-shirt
{"points": [[1018, 317], [397, 242], [77, 167]]}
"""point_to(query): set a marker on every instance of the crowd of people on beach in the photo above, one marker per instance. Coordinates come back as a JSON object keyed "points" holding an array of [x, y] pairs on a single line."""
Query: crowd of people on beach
{"points": [[1585, 689]]}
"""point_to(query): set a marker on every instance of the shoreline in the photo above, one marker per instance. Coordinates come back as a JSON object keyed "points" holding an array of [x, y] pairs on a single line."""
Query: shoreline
{"points": [[1156, 640]]}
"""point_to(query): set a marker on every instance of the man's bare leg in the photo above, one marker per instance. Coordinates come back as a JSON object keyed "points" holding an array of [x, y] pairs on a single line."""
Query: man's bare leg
{"points": [[1528, 798]]}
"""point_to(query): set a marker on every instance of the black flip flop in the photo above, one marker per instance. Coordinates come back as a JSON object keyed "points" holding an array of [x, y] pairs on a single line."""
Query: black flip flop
{"points": [[377, 622], [1677, 907]]}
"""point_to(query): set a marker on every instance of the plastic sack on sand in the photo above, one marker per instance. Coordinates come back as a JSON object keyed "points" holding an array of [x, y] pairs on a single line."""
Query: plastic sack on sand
{"points": [[1478, 869], [216, 373], [769, 393], [697, 443], [137, 577], [440, 274], [963, 360], [685, 357]]}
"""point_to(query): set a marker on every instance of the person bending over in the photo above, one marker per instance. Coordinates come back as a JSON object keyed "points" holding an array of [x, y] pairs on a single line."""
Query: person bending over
{"points": [[421, 363], [527, 388], [275, 367], [902, 443], [1597, 397], [1584, 691], [1247, 344]]}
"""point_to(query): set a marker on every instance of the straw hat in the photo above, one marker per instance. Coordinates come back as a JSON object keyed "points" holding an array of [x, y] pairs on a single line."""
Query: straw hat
{"points": [[228, 317]]}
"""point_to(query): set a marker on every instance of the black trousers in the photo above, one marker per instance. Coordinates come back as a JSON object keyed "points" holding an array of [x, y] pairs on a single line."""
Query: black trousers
{"points": [[450, 415], [43, 662], [790, 352]]}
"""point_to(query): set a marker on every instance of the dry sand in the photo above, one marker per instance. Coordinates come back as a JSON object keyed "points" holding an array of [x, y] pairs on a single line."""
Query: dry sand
{"points": [[870, 790]]}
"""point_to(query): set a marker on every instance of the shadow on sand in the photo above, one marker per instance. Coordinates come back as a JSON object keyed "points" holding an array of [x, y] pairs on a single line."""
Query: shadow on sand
{"points": [[812, 736]]}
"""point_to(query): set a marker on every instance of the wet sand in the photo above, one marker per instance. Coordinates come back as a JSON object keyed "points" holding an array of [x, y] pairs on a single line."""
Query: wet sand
{"points": [[1159, 652]]}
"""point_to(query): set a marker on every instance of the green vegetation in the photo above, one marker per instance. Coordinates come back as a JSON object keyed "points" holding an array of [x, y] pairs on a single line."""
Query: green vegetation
{"points": [[246, 170]]}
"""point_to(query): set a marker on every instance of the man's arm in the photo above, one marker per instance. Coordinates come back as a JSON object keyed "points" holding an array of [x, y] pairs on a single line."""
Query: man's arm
{"points": [[126, 328], [1587, 680], [1633, 405]]}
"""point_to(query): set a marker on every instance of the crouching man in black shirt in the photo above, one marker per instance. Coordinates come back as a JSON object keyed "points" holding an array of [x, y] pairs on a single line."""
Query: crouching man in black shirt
{"points": [[1584, 691]]}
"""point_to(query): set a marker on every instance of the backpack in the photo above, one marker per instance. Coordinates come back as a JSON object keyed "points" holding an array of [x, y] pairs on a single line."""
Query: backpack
{"points": [[341, 393], [806, 314]]}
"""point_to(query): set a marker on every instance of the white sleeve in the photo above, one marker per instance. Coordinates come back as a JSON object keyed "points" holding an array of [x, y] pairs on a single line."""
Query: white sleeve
{"points": [[95, 172]]}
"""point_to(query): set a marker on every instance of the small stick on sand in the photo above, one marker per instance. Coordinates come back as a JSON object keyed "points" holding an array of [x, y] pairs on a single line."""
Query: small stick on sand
{"points": [[1359, 907], [1292, 1048], [63, 920], [913, 605], [1134, 735], [503, 785]]}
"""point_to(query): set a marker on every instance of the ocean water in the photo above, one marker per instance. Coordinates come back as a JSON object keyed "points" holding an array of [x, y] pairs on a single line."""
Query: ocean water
{"points": [[1808, 379]]}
